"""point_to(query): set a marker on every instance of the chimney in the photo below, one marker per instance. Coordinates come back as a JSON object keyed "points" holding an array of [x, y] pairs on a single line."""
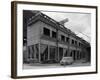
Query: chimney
{"points": [[62, 22]]}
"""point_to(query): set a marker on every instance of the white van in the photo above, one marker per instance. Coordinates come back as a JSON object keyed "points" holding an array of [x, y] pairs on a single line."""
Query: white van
{"points": [[66, 60]]}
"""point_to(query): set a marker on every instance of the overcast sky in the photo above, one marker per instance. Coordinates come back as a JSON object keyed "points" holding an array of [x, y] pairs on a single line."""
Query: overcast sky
{"points": [[79, 23]]}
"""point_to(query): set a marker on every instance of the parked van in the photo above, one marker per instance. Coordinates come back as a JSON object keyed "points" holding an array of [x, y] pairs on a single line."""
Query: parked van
{"points": [[66, 60]]}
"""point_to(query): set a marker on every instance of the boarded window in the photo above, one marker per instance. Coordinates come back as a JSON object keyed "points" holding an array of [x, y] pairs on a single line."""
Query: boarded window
{"points": [[54, 34], [67, 39], [76, 42], [46, 31], [62, 38], [79, 44], [72, 41]]}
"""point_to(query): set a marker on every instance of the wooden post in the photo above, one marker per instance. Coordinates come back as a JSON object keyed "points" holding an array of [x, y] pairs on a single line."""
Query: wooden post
{"points": [[63, 52], [58, 52], [34, 51], [76, 55], [48, 52], [39, 53]]}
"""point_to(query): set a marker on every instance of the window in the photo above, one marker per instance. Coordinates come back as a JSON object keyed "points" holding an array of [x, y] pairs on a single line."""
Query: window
{"points": [[62, 38], [79, 44], [67, 39], [54, 34], [76, 42], [72, 41], [46, 31]]}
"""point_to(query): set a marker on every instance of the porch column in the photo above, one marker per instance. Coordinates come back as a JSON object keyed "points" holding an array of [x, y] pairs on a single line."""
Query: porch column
{"points": [[27, 53], [72, 54], [69, 52], [39, 53], [76, 55], [34, 52], [48, 52], [63, 52], [79, 55], [58, 52], [30, 52]]}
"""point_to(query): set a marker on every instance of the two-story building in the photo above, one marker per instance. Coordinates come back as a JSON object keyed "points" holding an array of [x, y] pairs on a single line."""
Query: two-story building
{"points": [[47, 39]]}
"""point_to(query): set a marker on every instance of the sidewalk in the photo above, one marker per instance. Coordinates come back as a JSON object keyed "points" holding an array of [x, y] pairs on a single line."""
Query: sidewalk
{"points": [[78, 63]]}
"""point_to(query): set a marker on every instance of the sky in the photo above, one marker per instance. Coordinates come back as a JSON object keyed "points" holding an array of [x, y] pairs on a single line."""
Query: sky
{"points": [[79, 23]]}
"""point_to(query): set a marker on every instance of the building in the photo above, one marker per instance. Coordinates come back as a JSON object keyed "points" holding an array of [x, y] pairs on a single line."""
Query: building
{"points": [[48, 39]]}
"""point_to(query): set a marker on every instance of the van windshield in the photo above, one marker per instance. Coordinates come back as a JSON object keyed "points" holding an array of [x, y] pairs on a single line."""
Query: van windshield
{"points": [[66, 58]]}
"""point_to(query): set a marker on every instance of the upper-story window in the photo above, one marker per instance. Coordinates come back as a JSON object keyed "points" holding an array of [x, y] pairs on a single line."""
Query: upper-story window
{"points": [[54, 34], [75, 42], [62, 38], [79, 44], [67, 39], [46, 31], [72, 41]]}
